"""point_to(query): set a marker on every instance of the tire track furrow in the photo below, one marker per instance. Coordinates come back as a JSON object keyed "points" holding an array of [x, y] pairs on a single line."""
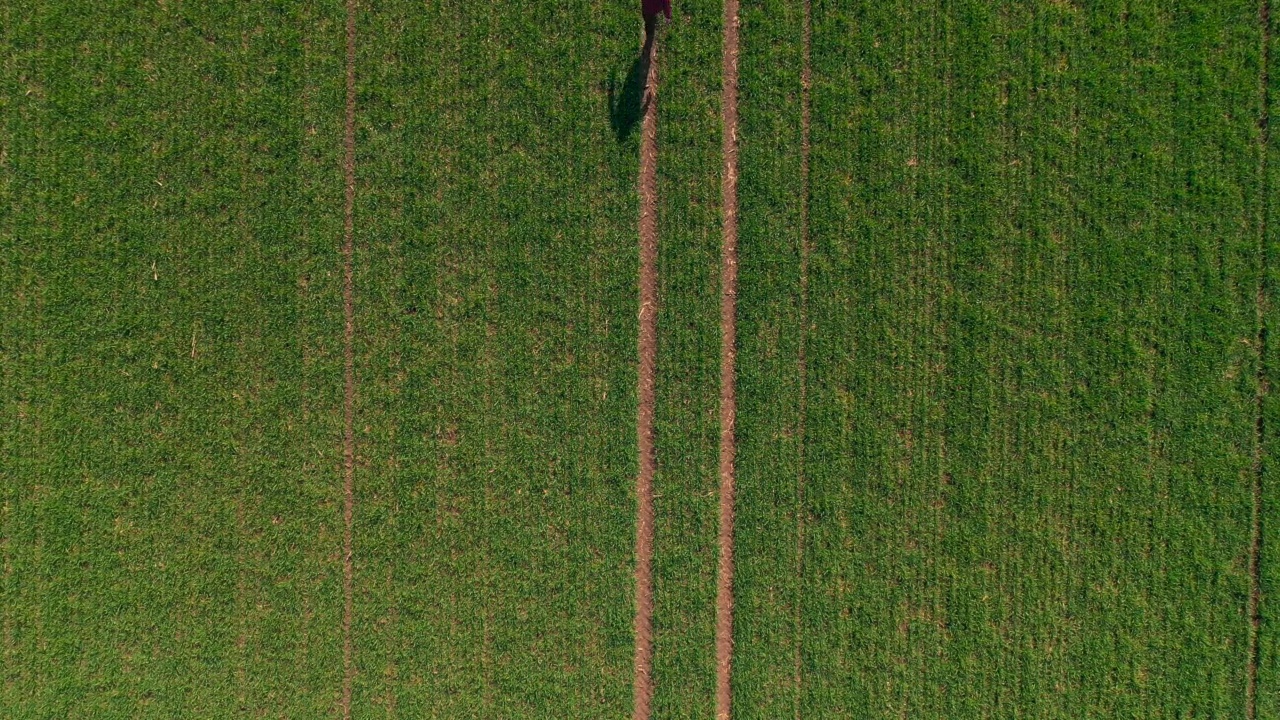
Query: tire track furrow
{"points": [[728, 360], [648, 350]]}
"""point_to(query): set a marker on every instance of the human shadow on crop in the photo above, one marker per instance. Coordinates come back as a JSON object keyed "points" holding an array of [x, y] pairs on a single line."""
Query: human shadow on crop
{"points": [[628, 103]]}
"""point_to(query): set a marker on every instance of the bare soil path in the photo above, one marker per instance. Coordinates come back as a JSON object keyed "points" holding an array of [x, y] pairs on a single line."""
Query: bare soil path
{"points": [[648, 351], [728, 361]]}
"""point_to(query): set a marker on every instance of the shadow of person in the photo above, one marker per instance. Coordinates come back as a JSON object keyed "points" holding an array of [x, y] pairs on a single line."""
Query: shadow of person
{"points": [[627, 107]]}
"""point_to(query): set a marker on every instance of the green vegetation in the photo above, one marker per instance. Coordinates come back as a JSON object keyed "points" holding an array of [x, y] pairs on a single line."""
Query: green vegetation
{"points": [[687, 387], [1266, 220], [769, 305], [169, 353], [496, 328], [768, 374], [1031, 362], [1038, 233]]}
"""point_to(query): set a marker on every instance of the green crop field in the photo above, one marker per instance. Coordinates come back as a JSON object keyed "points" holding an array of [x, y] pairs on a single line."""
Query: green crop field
{"points": [[171, 358], [495, 279], [1031, 362], [1005, 374]]}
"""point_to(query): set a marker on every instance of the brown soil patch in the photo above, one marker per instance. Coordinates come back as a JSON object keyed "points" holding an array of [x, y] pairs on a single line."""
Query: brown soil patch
{"points": [[728, 360], [648, 351]]}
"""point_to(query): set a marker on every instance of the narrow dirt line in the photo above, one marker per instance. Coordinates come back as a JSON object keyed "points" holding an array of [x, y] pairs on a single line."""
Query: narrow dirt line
{"points": [[806, 85], [648, 352], [728, 361], [348, 362], [1255, 540]]}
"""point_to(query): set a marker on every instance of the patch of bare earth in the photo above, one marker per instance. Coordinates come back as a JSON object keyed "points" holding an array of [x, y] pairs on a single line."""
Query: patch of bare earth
{"points": [[648, 351], [728, 361]]}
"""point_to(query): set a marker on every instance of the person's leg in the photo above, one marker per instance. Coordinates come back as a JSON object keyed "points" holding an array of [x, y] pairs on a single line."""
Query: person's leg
{"points": [[646, 59]]}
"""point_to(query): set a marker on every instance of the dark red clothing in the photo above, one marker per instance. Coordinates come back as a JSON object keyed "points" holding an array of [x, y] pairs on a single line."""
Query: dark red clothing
{"points": [[653, 7]]}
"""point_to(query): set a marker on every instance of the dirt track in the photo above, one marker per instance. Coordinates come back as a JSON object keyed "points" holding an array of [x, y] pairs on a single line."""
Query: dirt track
{"points": [[728, 361], [648, 351]]}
